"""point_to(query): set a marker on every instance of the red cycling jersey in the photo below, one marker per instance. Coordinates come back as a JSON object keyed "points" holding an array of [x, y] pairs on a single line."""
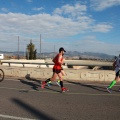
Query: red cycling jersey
{"points": [[57, 65]]}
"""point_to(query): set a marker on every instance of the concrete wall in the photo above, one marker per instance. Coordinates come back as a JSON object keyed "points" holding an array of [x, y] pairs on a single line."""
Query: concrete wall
{"points": [[41, 73]]}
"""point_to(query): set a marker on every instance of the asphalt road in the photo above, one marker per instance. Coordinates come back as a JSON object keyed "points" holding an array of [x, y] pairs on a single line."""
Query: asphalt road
{"points": [[23, 99]]}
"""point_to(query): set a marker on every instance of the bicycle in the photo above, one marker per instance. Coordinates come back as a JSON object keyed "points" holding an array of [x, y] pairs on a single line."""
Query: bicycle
{"points": [[1, 75]]}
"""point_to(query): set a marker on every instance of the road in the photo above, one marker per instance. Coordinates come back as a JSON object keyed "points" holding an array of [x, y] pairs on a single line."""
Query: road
{"points": [[23, 99]]}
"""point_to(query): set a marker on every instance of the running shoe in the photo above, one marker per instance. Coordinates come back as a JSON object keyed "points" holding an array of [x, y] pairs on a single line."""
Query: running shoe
{"points": [[48, 84], [64, 89], [58, 83], [109, 90], [43, 84]]}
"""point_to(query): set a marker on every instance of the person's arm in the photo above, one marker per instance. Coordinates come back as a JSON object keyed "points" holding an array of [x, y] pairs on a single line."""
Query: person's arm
{"points": [[63, 61], [59, 60], [53, 60], [114, 64]]}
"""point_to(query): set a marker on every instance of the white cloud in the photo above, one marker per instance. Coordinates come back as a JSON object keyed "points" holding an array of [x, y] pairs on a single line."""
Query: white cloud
{"points": [[38, 9], [102, 27], [50, 26], [74, 11], [91, 44], [100, 5], [4, 9]]}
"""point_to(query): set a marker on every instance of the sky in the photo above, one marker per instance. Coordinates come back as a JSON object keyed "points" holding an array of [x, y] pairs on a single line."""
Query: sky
{"points": [[76, 25]]}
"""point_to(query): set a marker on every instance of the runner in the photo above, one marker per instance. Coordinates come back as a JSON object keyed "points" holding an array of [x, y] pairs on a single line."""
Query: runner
{"points": [[58, 60], [58, 82], [116, 66]]}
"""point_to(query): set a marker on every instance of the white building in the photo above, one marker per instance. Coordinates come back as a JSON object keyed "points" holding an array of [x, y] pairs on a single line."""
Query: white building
{"points": [[1, 56]]}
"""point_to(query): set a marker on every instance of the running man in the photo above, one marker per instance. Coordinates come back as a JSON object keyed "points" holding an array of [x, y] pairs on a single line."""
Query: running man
{"points": [[116, 66], [63, 74], [58, 60]]}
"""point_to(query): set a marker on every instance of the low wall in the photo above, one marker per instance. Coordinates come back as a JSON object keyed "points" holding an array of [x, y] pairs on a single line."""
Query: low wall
{"points": [[42, 73]]}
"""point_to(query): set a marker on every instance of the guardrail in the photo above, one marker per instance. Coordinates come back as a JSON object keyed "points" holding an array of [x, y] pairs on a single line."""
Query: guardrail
{"points": [[67, 64], [23, 63]]}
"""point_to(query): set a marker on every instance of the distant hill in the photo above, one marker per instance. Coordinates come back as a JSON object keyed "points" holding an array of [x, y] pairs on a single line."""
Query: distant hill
{"points": [[90, 55], [68, 54]]}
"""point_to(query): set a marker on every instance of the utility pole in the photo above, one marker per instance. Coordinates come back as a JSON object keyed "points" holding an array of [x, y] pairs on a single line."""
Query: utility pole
{"points": [[18, 47], [54, 50], [24, 48], [40, 45]]}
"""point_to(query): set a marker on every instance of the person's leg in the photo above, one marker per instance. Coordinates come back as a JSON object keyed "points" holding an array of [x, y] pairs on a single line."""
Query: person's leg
{"points": [[52, 78], [60, 78], [63, 89], [113, 82], [63, 74], [49, 84], [118, 80], [48, 80]]}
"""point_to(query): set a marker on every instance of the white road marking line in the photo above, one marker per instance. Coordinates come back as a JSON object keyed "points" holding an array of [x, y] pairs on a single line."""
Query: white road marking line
{"points": [[15, 118]]}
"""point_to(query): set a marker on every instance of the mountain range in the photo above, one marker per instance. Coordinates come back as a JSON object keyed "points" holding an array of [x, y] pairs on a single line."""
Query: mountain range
{"points": [[67, 54]]}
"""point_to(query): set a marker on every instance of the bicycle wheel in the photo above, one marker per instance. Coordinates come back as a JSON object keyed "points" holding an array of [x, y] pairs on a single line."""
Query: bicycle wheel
{"points": [[1, 75]]}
